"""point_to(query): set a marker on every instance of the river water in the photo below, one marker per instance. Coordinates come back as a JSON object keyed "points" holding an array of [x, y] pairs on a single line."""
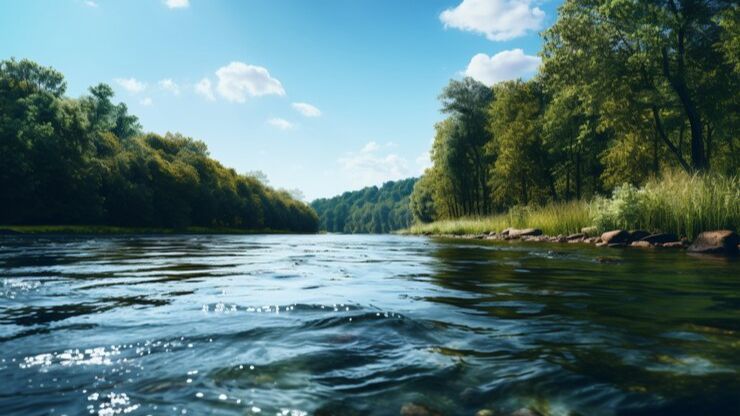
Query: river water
{"points": [[355, 325]]}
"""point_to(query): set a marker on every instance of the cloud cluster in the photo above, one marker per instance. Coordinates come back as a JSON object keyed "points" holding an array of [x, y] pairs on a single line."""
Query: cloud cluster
{"points": [[503, 66], [370, 167], [280, 123], [170, 86], [498, 20], [237, 81], [131, 85], [307, 109]]}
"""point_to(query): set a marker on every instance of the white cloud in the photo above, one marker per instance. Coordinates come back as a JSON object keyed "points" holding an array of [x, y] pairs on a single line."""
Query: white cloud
{"points": [[307, 109], [424, 161], [370, 147], [91, 3], [496, 19], [169, 85], [505, 65], [131, 85], [146, 102], [238, 80], [280, 123], [177, 4], [369, 167], [203, 88]]}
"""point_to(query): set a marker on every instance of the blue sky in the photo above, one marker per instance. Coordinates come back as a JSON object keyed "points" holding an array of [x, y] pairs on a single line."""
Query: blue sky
{"points": [[323, 96]]}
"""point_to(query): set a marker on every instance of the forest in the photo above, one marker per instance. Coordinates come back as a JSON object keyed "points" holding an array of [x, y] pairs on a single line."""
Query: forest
{"points": [[369, 210], [87, 161], [627, 93]]}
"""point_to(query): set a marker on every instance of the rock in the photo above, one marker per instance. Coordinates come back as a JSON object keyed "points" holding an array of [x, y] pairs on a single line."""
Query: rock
{"points": [[526, 412], [660, 238], [505, 232], [641, 244], [576, 236], [589, 231], [674, 244], [716, 242], [600, 244], [492, 233], [514, 233], [413, 409], [615, 237], [484, 412], [616, 245], [607, 260], [638, 234]]}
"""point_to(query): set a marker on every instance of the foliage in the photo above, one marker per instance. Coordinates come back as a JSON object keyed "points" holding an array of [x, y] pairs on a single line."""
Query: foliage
{"points": [[369, 210], [553, 219], [681, 203], [627, 91], [86, 161]]}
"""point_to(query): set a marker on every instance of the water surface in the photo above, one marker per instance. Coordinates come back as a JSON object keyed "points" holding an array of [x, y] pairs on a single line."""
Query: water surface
{"points": [[345, 325]]}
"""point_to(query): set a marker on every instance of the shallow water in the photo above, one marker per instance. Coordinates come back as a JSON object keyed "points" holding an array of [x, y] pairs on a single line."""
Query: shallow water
{"points": [[330, 324]]}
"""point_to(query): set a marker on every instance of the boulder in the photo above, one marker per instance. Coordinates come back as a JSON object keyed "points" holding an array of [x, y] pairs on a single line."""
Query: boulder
{"points": [[514, 233], [641, 244], [716, 242], [589, 231], [413, 409], [638, 234], [616, 237], [660, 238], [576, 236]]}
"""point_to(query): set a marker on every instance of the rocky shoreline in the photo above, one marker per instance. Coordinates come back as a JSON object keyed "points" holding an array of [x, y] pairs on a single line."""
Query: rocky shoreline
{"points": [[722, 242]]}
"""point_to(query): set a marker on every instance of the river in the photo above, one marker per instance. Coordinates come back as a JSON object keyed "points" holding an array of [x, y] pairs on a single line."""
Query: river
{"points": [[356, 325]]}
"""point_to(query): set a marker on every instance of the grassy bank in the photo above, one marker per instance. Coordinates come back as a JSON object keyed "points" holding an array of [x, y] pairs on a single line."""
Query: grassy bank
{"points": [[105, 229], [678, 203]]}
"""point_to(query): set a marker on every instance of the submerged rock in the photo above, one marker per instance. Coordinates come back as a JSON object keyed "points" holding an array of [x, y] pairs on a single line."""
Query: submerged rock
{"points": [[484, 412], [413, 409], [716, 242], [660, 238], [615, 237]]}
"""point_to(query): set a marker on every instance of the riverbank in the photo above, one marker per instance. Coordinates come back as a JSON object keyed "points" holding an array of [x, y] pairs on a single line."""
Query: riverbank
{"points": [[114, 230], [722, 242]]}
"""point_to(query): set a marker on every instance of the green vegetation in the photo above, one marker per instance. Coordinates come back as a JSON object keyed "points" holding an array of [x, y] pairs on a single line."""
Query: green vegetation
{"points": [[553, 219], [86, 161], [108, 229], [369, 210], [628, 93], [680, 203]]}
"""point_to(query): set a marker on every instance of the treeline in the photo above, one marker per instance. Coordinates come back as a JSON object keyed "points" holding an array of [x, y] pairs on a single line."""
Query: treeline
{"points": [[626, 91], [87, 161], [369, 210]]}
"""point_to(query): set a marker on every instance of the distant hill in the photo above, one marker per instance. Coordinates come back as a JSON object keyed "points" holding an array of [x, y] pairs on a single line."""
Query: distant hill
{"points": [[369, 210]]}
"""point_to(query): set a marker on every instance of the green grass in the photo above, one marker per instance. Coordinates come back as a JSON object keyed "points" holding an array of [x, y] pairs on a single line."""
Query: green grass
{"points": [[553, 219], [105, 229], [678, 203]]}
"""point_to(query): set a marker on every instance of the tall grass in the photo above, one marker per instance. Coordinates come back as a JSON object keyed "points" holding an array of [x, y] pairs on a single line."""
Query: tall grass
{"points": [[678, 203], [552, 219]]}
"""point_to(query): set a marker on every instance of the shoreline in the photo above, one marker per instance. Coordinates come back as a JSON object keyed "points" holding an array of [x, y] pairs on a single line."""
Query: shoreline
{"points": [[27, 230], [720, 242]]}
